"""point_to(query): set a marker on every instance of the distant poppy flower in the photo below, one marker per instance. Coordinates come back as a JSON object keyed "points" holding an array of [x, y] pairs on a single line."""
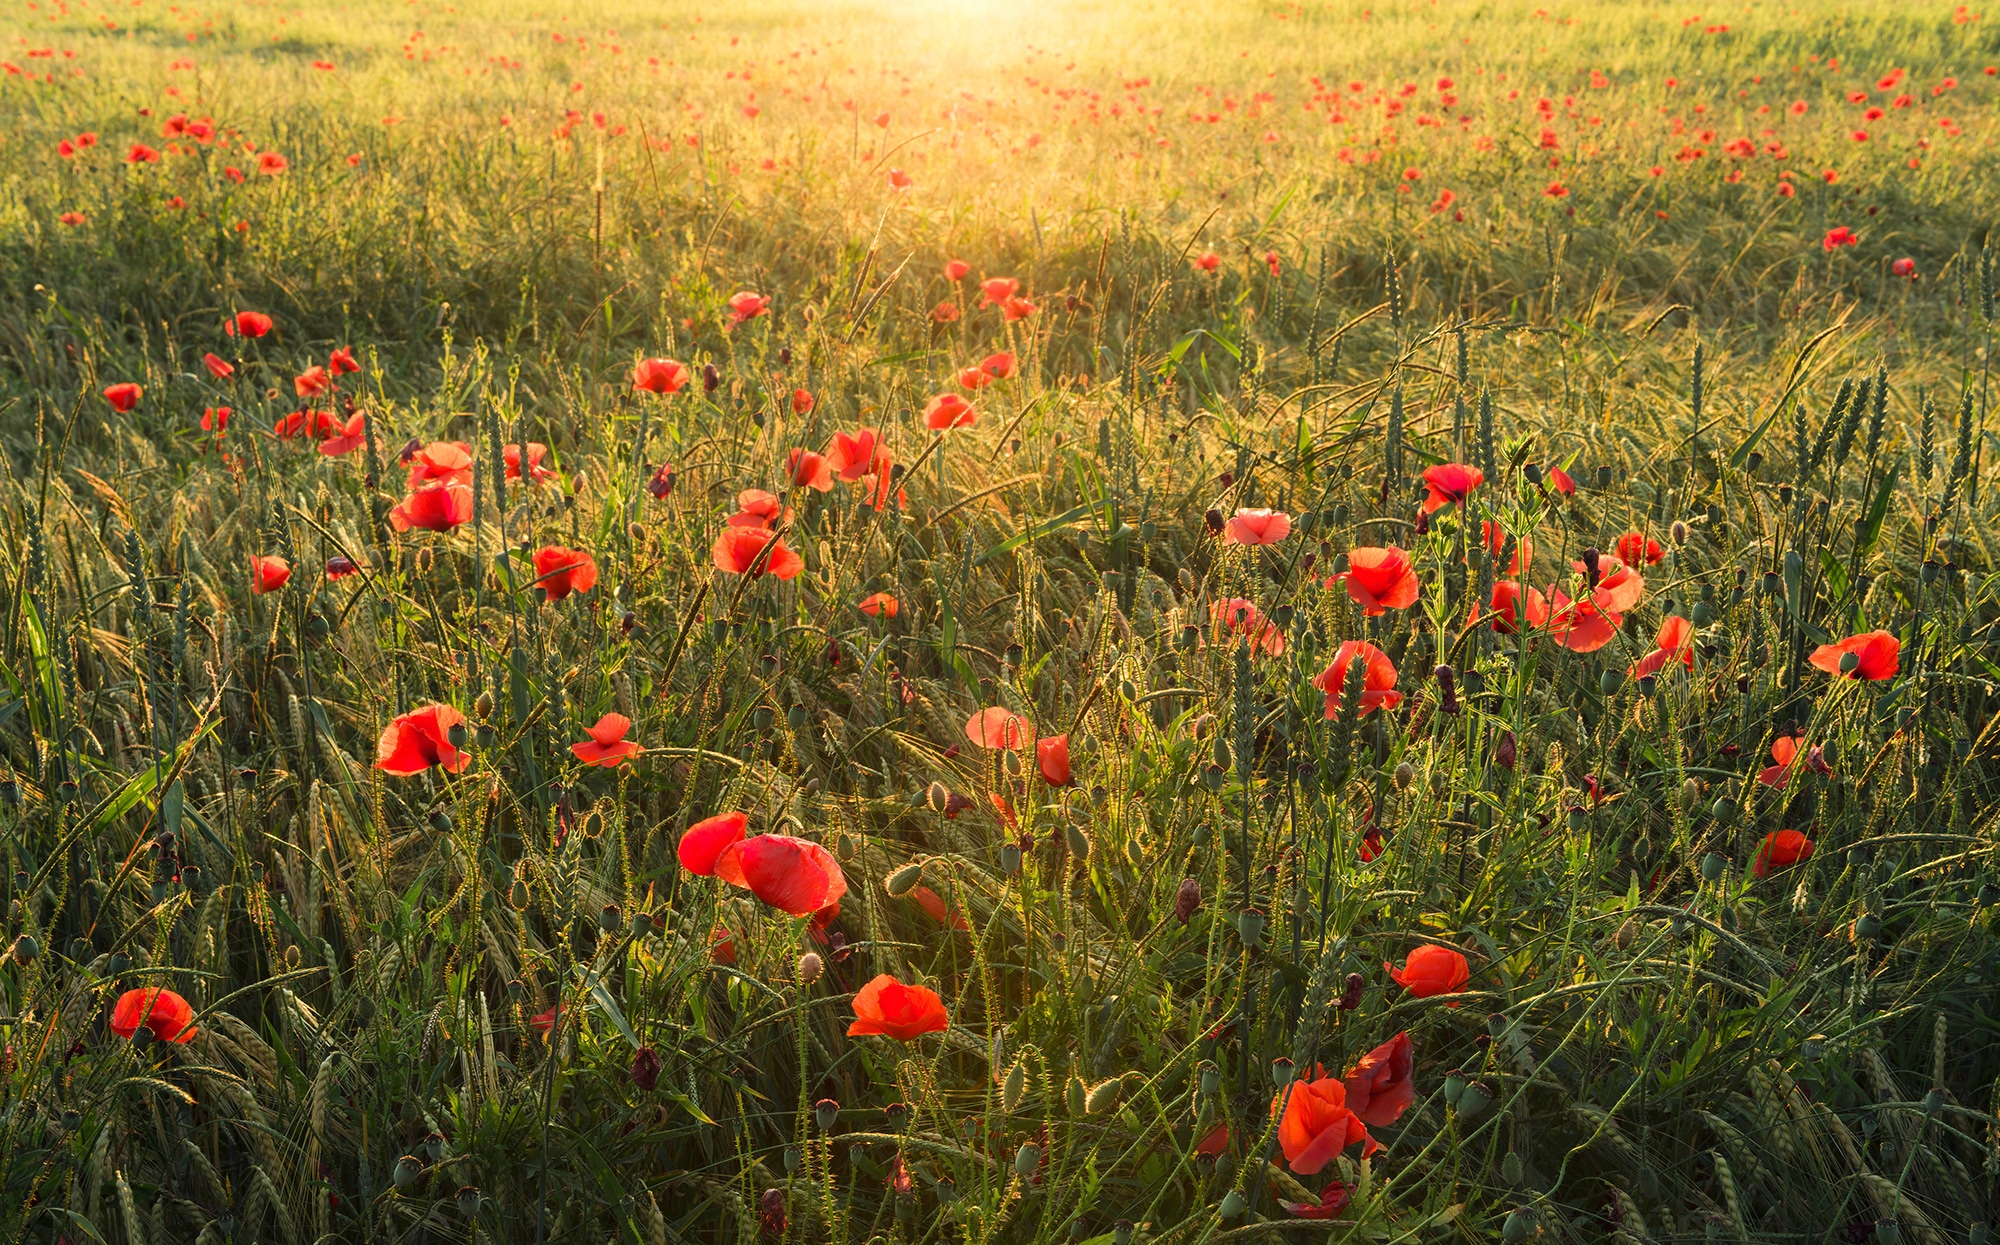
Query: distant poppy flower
{"points": [[997, 290], [806, 469], [1674, 642], [215, 418], [1380, 580], [661, 483], [1431, 970], [123, 396], [1208, 261], [740, 549], [1258, 527], [139, 153], [234, 174], [607, 745], [414, 742], [1450, 484], [561, 571], [899, 180], [757, 508], [1634, 548], [1562, 481], [169, 1016], [1332, 1200], [268, 573], [1000, 366], [1905, 267], [880, 605], [1271, 261], [887, 1007], [248, 324], [955, 269], [974, 377], [1876, 654], [948, 410], [1785, 751], [1316, 1124], [339, 567], [802, 401], [1013, 309], [661, 376], [1380, 1088], [1052, 759], [1837, 237], [746, 305], [218, 367], [794, 875], [945, 312], [71, 219], [544, 1022], [1238, 616], [312, 382], [342, 361], [998, 727], [853, 455], [703, 842], [511, 456], [1777, 850], [1378, 684], [270, 164], [435, 507]]}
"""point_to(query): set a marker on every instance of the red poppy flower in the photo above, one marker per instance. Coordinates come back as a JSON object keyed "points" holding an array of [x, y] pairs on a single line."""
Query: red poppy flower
{"points": [[270, 164], [1258, 527], [1316, 1125], [1000, 366], [545, 1022], [1674, 641], [1562, 481], [1840, 235], [1380, 580], [795, 875], [1779, 849], [998, 727], [1215, 1142], [1634, 548], [1208, 261], [706, 840], [802, 401], [974, 377], [1876, 655], [1905, 267], [123, 396], [1450, 484], [1378, 685], [1512, 605], [955, 269], [1239, 617], [888, 1007], [1272, 262], [853, 455], [248, 324], [1785, 750], [1430, 970], [746, 305], [268, 573], [415, 741], [806, 469], [1379, 1088], [511, 455], [721, 946], [607, 745], [929, 901], [1582, 625], [740, 551], [1496, 542], [215, 418], [1332, 1200], [1052, 759], [168, 1015], [948, 410], [217, 367], [139, 153], [339, 567], [880, 605], [1013, 309], [441, 462], [342, 361], [562, 571], [433, 508], [661, 376], [945, 312], [757, 508], [997, 290], [347, 438]]}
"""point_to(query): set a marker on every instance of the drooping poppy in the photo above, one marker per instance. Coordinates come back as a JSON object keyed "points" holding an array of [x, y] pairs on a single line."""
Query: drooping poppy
{"points": [[268, 573], [933, 904], [248, 324], [1877, 655], [1258, 527], [660, 376], [1634, 548], [449, 462], [1052, 759], [948, 410], [880, 605], [607, 745], [123, 396], [1380, 580], [805, 469], [312, 382], [1562, 482], [1430, 970], [1674, 641], [1378, 687], [511, 455], [215, 419], [1316, 1124], [795, 875], [740, 551], [887, 1007], [561, 571], [1786, 752], [433, 508], [998, 727], [218, 367], [703, 842], [415, 741], [803, 401], [1779, 849], [1332, 1200], [746, 305], [1450, 484], [1379, 1087], [757, 508], [167, 1014]]}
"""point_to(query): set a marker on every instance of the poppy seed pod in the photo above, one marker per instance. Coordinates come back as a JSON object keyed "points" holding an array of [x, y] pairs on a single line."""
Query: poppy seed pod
{"points": [[610, 918], [1250, 927], [1888, 1232], [456, 735], [642, 924], [898, 1114], [1232, 1205], [1281, 1071], [1713, 866], [468, 1200], [434, 1146], [1027, 1159], [1121, 1232], [826, 1113], [26, 950], [1473, 1100], [407, 1169], [1519, 1225], [440, 821]]}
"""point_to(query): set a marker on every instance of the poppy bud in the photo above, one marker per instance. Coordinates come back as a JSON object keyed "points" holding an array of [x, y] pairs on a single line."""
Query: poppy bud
{"points": [[408, 1168], [1405, 774], [1678, 533], [517, 896], [1102, 1096], [1075, 1095], [1533, 473], [826, 1113], [785, 355], [902, 881], [1590, 558], [482, 706], [1187, 899], [468, 1200], [1511, 1168], [1027, 1159], [1506, 752], [1520, 1222], [1214, 520], [1350, 996], [710, 378]]}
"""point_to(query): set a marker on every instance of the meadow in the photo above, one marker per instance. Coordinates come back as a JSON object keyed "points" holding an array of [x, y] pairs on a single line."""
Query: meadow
{"points": [[944, 621]]}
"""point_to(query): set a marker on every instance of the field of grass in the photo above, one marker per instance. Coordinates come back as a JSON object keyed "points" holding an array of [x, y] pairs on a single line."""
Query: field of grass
{"points": [[1119, 622]]}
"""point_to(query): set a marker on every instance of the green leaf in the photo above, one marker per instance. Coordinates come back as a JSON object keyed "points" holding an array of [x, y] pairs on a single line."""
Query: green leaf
{"points": [[690, 1106], [609, 1006], [1009, 545]]}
